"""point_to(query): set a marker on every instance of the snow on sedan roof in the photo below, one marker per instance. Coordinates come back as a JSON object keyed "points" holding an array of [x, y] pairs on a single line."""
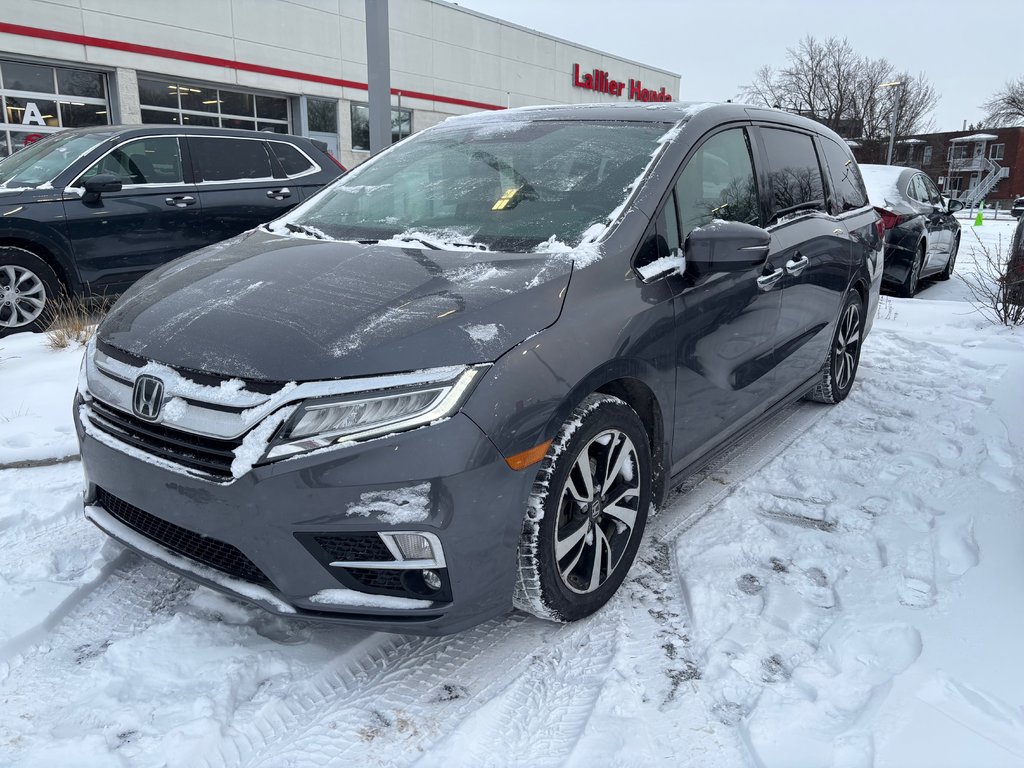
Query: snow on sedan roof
{"points": [[882, 182]]}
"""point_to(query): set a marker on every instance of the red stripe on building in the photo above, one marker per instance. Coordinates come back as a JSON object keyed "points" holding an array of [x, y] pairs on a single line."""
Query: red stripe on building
{"points": [[214, 61]]}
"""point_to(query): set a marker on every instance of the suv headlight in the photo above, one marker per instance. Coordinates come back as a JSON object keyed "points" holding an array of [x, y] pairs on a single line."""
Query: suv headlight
{"points": [[320, 422]]}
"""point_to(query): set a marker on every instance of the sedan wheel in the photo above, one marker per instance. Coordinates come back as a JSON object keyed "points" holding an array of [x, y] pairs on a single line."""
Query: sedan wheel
{"points": [[909, 286], [947, 273], [587, 512]]}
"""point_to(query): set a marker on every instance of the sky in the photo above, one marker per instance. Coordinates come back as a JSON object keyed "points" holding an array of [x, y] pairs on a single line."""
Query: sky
{"points": [[716, 46]]}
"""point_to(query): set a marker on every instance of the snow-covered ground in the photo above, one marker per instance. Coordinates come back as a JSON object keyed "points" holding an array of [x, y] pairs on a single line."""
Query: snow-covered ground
{"points": [[843, 589]]}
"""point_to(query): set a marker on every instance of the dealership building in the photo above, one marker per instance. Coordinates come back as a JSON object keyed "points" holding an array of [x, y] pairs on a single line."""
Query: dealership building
{"points": [[291, 66]]}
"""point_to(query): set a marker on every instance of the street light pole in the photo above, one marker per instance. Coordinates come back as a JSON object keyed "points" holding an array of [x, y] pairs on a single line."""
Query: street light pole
{"points": [[892, 120]]}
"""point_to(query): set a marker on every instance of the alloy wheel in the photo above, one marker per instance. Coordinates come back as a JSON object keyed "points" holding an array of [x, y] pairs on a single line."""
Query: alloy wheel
{"points": [[847, 346], [597, 511], [22, 296]]}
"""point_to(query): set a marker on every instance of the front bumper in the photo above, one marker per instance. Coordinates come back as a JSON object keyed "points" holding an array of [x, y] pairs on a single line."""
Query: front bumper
{"points": [[272, 515]]}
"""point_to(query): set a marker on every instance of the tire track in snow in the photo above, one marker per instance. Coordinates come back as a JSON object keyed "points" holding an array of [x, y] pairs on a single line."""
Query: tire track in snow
{"points": [[370, 705]]}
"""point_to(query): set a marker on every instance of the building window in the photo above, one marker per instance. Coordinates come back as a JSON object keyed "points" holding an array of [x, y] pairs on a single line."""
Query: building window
{"points": [[956, 183], [996, 153], [401, 125], [322, 115], [170, 103], [926, 158], [958, 152], [38, 100]]}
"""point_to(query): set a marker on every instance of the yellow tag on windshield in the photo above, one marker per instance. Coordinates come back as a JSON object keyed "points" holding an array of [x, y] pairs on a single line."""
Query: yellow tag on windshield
{"points": [[506, 199]]}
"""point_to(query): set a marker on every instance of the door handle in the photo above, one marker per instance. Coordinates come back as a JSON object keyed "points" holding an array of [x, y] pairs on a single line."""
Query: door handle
{"points": [[795, 267], [180, 201], [767, 282], [279, 194]]}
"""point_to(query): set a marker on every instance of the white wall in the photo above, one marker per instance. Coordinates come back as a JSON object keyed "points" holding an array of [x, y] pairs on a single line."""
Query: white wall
{"points": [[437, 49]]}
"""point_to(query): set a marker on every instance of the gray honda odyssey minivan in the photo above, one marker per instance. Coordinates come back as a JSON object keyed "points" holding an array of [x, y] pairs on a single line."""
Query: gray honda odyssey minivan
{"points": [[459, 379]]}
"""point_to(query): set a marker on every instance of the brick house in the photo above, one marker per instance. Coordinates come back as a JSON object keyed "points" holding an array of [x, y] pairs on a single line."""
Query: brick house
{"points": [[987, 164]]}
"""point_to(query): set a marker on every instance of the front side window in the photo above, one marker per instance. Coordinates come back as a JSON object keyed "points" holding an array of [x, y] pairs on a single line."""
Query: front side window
{"points": [[222, 159], [794, 172], [847, 184], [505, 185], [718, 183], [152, 160], [401, 126]]}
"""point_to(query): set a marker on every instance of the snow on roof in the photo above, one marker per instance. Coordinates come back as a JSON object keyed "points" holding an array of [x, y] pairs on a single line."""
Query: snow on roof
{"points": [[853, 144], [976, 137], [913, 141]]}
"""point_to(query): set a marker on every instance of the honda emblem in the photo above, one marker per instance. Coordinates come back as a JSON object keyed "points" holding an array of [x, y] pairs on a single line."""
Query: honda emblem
{"points": [[148, 397]]}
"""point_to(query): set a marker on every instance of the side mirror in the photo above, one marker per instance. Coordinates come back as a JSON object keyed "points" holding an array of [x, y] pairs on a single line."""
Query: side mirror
{"points": [[727, 246], [100, 183], [955, 205]]}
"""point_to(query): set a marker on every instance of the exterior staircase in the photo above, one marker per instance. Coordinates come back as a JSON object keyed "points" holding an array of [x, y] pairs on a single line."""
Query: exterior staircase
{"points": [[986, 184]]}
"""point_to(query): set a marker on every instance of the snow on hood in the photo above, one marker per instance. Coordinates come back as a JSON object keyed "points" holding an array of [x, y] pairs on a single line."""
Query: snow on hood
{"points": [[276, 309]]}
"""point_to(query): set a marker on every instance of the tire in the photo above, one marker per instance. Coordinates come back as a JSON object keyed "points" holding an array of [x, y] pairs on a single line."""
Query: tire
{"points": [[27, 286], [840, 368], [908, 287], [571, 506], [947, 273]]}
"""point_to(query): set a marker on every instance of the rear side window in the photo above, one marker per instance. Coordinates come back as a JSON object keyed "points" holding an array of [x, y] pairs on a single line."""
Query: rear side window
{"points": [[718, 183], [917, 189], [292, 161], [218, 159], [796, 183], [847, 184]]}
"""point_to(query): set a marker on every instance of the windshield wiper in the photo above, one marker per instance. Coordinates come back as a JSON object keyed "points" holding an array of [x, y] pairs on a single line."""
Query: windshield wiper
{"points": [[304, 230]]}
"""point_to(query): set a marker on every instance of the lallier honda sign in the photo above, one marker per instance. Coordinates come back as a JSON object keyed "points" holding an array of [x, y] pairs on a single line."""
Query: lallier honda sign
{"points": [[602, 82]]}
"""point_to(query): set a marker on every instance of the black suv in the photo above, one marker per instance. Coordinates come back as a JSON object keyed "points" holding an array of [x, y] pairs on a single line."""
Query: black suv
{"points": [[89, 211], [462, 375]]}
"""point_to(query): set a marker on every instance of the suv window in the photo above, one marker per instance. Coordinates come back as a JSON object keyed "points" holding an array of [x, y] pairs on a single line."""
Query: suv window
{"points": [[718, 183], [847, 183], [795, 175], [150, 160], [291, 159], [224, 159]]}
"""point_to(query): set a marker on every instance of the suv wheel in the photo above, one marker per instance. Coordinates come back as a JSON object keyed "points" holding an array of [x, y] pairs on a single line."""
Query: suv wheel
{"points": [[840, 368], [587, 512], [951, 262], [27, 283]]}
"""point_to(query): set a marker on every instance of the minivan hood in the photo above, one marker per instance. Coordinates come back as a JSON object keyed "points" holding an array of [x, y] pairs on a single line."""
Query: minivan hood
{"points": [[282, 309]]}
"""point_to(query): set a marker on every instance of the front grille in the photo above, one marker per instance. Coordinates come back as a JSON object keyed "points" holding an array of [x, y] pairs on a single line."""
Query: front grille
{"points": [[205, 454], [354, 547], [208, 551]]}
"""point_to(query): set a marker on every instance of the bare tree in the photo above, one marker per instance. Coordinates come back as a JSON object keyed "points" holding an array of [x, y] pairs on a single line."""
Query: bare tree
{"points": [[1006, 107], [828, 81]]}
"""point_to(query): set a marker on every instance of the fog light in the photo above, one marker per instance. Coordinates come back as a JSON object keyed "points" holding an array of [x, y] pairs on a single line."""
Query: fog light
{"points": [[414, 546], [432, 580]]}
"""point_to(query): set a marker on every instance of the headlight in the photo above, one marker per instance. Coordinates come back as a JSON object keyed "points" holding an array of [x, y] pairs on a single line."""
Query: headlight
{"points": [[321, 422]]}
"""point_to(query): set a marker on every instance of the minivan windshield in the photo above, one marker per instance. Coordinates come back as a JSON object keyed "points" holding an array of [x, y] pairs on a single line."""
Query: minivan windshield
{"points": [[43, 161], [506, 185]]}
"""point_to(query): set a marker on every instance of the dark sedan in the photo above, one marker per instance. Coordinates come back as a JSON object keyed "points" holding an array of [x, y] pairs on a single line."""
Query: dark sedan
{"points": [[89, 211], [922, 236], [461, 377]]}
